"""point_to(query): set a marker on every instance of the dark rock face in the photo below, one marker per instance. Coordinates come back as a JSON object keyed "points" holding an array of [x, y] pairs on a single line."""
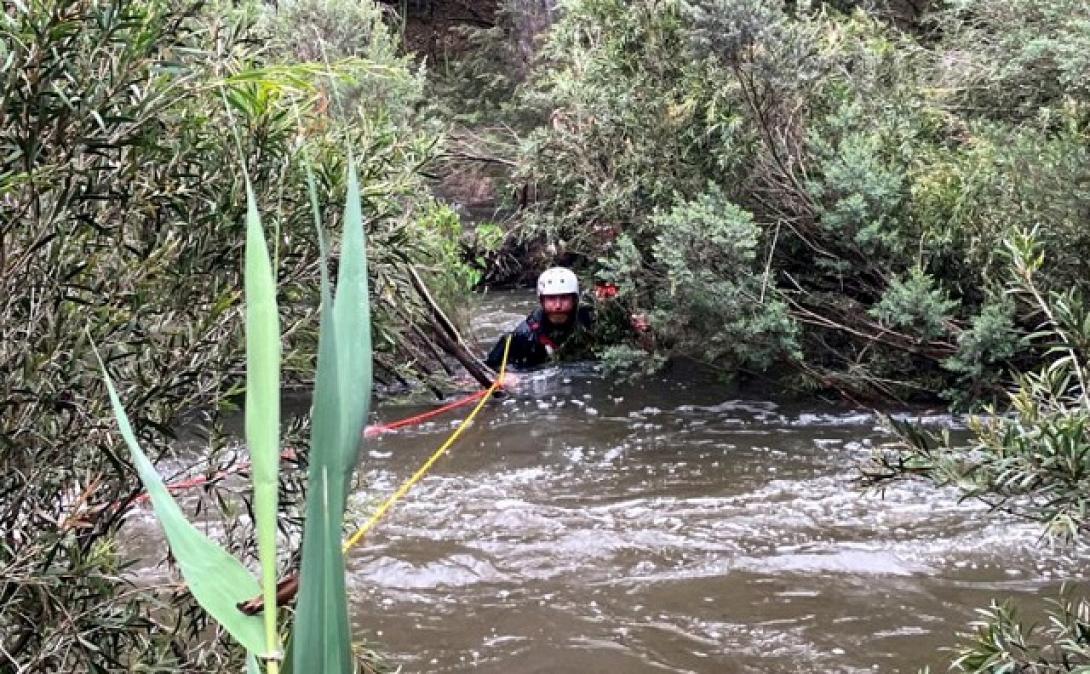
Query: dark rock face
{"points": [[429, 23]]}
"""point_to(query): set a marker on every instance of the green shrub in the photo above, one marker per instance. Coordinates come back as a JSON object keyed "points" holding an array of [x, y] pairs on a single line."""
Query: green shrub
{"points": [[1015, 60], [915, 306], [845, 139], [985, 351], [1000, 641], [122, 210], [120, 221], [705, 284], [1028, 461], [353, 35], [629, 129], [1032, 459]]}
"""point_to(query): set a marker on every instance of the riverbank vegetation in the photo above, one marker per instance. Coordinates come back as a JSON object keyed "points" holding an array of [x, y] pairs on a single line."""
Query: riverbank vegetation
{"points": [[829, 185], [320, 637], [123, 202], [879, 201], [1027, 460], [886, 200]]}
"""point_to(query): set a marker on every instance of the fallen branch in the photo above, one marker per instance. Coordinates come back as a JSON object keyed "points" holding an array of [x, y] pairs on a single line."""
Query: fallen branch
{"points": [[286, 590], [447, 335]]}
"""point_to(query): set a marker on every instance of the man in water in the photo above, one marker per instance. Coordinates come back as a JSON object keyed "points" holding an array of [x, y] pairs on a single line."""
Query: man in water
{"points": [[554, 323]]}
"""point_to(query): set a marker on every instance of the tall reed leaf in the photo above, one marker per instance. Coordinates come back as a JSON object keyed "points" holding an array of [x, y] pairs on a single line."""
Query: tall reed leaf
{"points": [[216, 580], [352, 318], [321, 640], [263, 405]]}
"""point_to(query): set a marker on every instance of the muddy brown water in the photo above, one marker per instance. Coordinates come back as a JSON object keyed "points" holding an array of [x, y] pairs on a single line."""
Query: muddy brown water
{"points": [[588, 525]]}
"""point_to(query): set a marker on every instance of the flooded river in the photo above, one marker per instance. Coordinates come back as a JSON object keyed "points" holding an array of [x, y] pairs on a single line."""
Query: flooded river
{"points": [[585, 525]]}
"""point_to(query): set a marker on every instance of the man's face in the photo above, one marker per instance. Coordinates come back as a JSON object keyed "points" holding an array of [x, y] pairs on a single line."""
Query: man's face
{"points": [[558, 308]]}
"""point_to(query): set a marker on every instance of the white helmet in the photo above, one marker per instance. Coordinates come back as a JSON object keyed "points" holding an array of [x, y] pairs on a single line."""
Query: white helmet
{"points": [[557, 281]]}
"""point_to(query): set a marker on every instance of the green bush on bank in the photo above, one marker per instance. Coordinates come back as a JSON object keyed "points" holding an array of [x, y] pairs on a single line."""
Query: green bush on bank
{"points": [[1027, 460], [705, 268], [861, 170], [122, 220], [881, 172]]}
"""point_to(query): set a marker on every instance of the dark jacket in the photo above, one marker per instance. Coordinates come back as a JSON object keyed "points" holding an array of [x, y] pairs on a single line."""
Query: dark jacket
{"points": [[535, 339]]}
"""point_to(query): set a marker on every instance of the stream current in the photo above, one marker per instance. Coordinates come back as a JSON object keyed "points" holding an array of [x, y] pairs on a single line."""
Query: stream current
{"points": [[584, 524]]}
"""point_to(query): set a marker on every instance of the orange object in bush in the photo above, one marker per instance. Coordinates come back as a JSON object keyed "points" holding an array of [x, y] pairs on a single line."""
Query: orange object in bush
{"points": [[605, 291]]}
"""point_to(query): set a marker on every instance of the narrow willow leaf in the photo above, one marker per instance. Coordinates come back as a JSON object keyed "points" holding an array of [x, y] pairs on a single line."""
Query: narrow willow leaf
{"points": [[263, 405], [216, 580]]}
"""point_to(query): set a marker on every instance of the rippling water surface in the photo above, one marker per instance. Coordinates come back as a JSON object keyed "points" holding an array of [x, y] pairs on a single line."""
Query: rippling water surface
{"points": [[585, 525]]}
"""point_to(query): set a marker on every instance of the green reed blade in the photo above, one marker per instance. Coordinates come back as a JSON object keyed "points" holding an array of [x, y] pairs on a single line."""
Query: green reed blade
{"points": [[263, 404], [321, 640], [352, 317], [216, 580], [289, 655]]}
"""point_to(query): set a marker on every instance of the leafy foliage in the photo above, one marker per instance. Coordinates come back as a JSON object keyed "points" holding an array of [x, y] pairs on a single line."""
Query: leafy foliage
{"points": [[1017, 61], [915, 305], [103, 160], [613, 151], [122, 218], [217, 580], [1031, 460], [1002, 642], [881, 178], [707, 272], [991, 341]]}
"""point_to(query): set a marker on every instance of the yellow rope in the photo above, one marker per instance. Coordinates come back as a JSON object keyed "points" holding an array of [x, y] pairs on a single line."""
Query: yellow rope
{"points": [[404, 488]]}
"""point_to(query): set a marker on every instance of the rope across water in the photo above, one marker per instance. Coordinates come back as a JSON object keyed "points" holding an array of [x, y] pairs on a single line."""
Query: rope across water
{"points": [[480, 396], [404, 488]]}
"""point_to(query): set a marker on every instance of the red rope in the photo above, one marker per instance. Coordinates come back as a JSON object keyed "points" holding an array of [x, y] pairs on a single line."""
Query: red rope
{"points": [[369, 432], [379, 429], [197, 481]]}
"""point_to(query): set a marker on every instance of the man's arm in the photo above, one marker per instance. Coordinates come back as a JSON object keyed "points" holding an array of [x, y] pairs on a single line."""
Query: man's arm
{"points": [[495, 356], [526, 349]]}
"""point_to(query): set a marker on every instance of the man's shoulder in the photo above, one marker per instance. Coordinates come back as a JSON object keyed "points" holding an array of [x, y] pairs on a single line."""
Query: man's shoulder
{"points": [[535, 320]]}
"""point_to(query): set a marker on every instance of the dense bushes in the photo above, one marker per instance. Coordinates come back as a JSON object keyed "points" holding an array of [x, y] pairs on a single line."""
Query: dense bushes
{"points": [[883, 171], [850, 193], [705, 269], [1030, 460], [1027, 459], [799, 183], [122, 192], [119, 203]]}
